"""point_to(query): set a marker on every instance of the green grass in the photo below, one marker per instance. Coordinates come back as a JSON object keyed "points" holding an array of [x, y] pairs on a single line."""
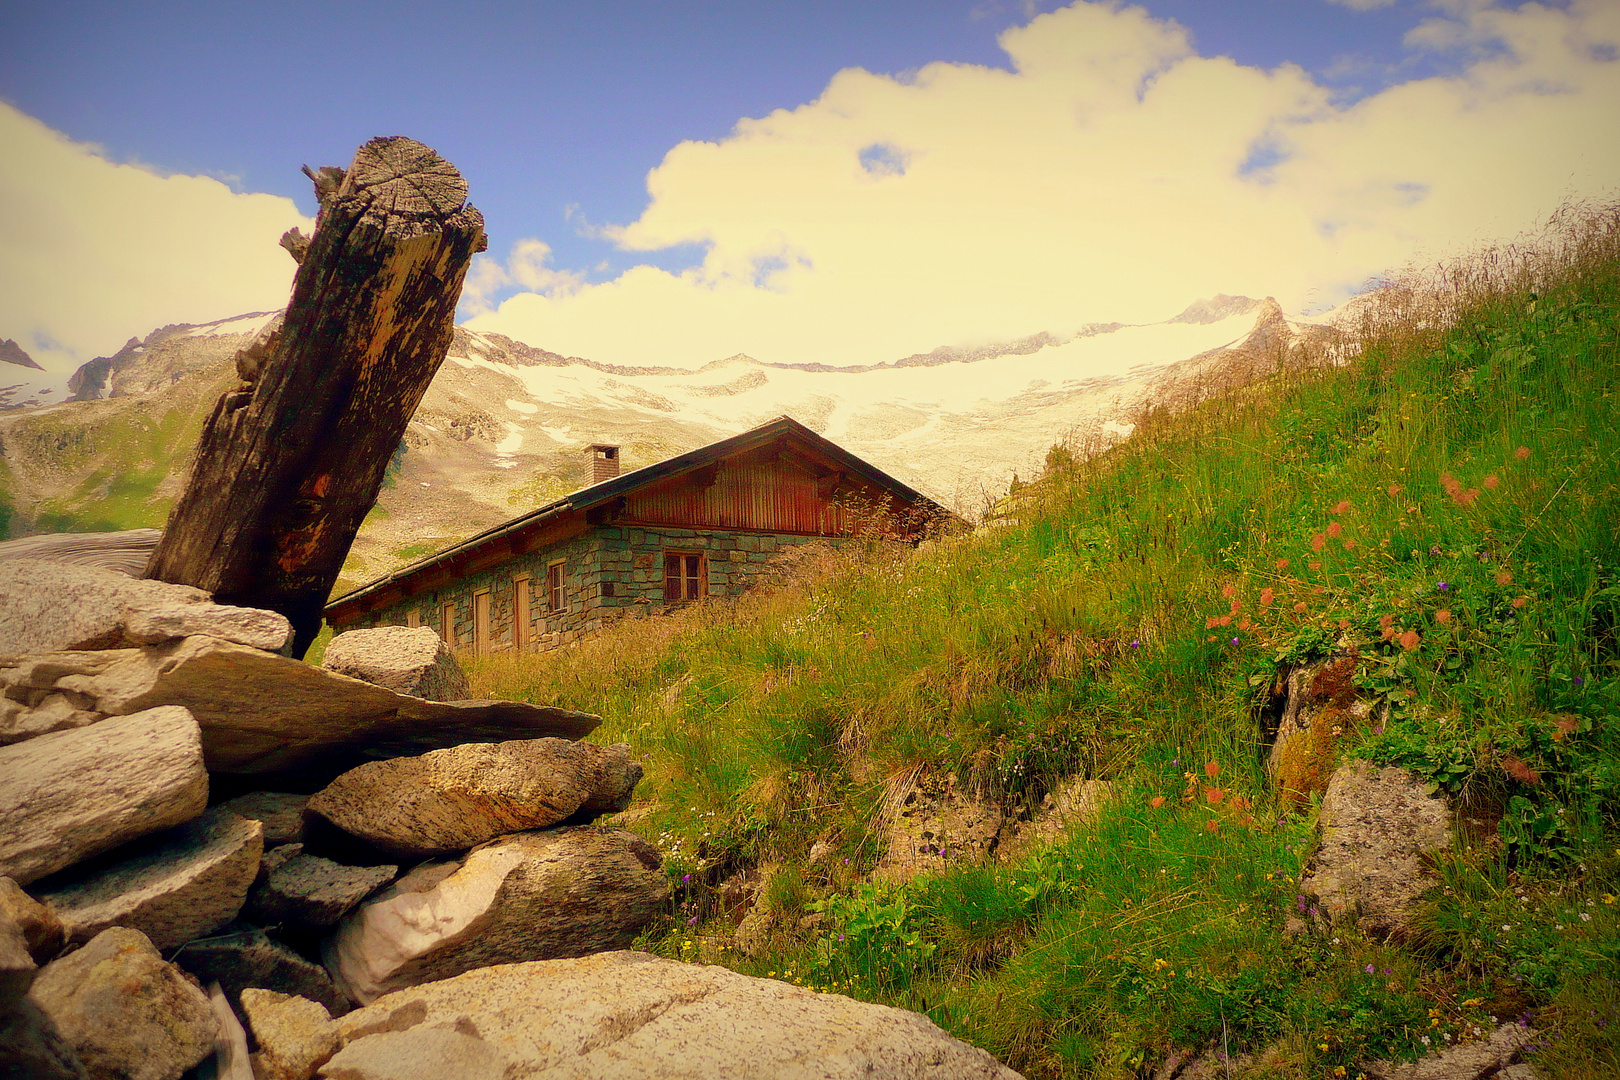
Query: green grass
{"points": [[1441, 507]]}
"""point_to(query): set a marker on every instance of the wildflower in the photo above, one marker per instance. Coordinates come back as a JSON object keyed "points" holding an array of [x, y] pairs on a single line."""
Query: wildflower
{"points": [[1229, 591], [685, 878], [1234, 641], [1577, 680], [1214, 795], [1344, 624], [1520, 601], [1349, 545], [1211, 825], [1156, 802], [1282, 564], [1335, 529], [1443, 586], [1342, 508], [1586, 916], [1315, 565], [1522, 452], [1135, 644], [1267, 595], [1395, 489], [1316, 543], [1607, 898], [1212, 769], [1443, 616], [1245, 625], [1212, 622], [1385, 622], [1369, 969], [1491, 482], [1300, 607], [1504, 578], [1506, 927], [692, 921], [1410, 639], [1520, 771]]}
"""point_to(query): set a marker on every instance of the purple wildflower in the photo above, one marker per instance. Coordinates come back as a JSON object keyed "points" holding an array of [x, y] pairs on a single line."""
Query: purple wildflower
{"points": [[1444, 586]]}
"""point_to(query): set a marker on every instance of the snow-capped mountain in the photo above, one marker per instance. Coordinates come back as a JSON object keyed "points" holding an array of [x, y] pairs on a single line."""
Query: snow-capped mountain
{"points": [[504, 425]]}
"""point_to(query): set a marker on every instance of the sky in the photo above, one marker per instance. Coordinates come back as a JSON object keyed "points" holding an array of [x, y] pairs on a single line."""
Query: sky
{"points": [[674, 183]]}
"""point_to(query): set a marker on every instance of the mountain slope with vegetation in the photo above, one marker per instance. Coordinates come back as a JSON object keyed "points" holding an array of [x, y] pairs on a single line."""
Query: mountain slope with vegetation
{"points": [[1440, 510]]}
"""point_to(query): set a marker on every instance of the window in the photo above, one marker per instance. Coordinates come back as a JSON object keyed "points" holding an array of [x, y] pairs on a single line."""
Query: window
{"points": [[413, 617], [447, 623], [481, 622], [520, 613], [556, 593], [683, 576]]}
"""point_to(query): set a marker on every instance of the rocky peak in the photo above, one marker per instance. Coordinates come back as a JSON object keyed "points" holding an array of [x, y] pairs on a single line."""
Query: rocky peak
{"points": [[1218, 307], [12, 353]]}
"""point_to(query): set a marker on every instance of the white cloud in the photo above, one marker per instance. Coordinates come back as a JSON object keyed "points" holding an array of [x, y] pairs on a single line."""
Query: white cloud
{"points": [[1112, 174], [525, 266], [92, 251]]}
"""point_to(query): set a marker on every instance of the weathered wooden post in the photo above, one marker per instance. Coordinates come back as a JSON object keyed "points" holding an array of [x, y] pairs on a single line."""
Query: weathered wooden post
{"points": [[291, 462]]}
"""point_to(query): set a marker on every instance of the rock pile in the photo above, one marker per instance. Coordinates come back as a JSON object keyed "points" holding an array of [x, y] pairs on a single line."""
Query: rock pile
{"points": [[127, 702], [197, 831]]}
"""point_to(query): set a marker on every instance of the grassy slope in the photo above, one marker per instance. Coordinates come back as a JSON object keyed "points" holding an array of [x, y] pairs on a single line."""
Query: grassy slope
{"points": [[1443, 508]]}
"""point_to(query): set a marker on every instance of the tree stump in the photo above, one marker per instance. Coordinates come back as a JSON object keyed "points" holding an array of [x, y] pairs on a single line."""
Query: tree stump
{"points": [[291, 461]]}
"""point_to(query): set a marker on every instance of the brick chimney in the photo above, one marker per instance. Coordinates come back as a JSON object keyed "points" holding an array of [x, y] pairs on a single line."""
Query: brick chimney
{"points": [[604, 462]]}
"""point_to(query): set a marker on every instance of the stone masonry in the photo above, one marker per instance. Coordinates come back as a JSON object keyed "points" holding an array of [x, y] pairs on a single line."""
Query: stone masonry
{"points": [[609, 572]]}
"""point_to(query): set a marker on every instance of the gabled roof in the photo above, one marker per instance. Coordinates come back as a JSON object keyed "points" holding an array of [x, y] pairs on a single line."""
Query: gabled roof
{"points": [[608, 490]]}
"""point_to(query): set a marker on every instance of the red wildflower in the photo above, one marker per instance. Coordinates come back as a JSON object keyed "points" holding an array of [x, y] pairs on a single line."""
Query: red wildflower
{"points": [[1520, 601], [1349, 545], [1316, 544], [1442, 616], [1214, 795], [1212, 622], [1245, 625], [1503, 577], [1156, 802], [1267, 595], [1387, 633], [1300, 607], [1335, 529], [1212, 769], [1520, 771], [1342, 508], [1229, 591], [1410, 639], [1282, 564], [1315, 565], [1564, 724], [1387, 621], [1522, 452], [1211, 825], [1395, 489], [1344, 624], [1224, 620], [1491, 481]]}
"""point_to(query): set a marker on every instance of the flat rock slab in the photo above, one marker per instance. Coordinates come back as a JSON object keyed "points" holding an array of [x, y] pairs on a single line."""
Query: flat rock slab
{"points": [[309, 891], [1379, 828], [532, 896], [124, 1011], [172, 886], [248, 957], [127, 552], [407, 660], [71, 795], [631, 1014], [261, 712], [50, 606], [449, 800], [280, 812]]}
